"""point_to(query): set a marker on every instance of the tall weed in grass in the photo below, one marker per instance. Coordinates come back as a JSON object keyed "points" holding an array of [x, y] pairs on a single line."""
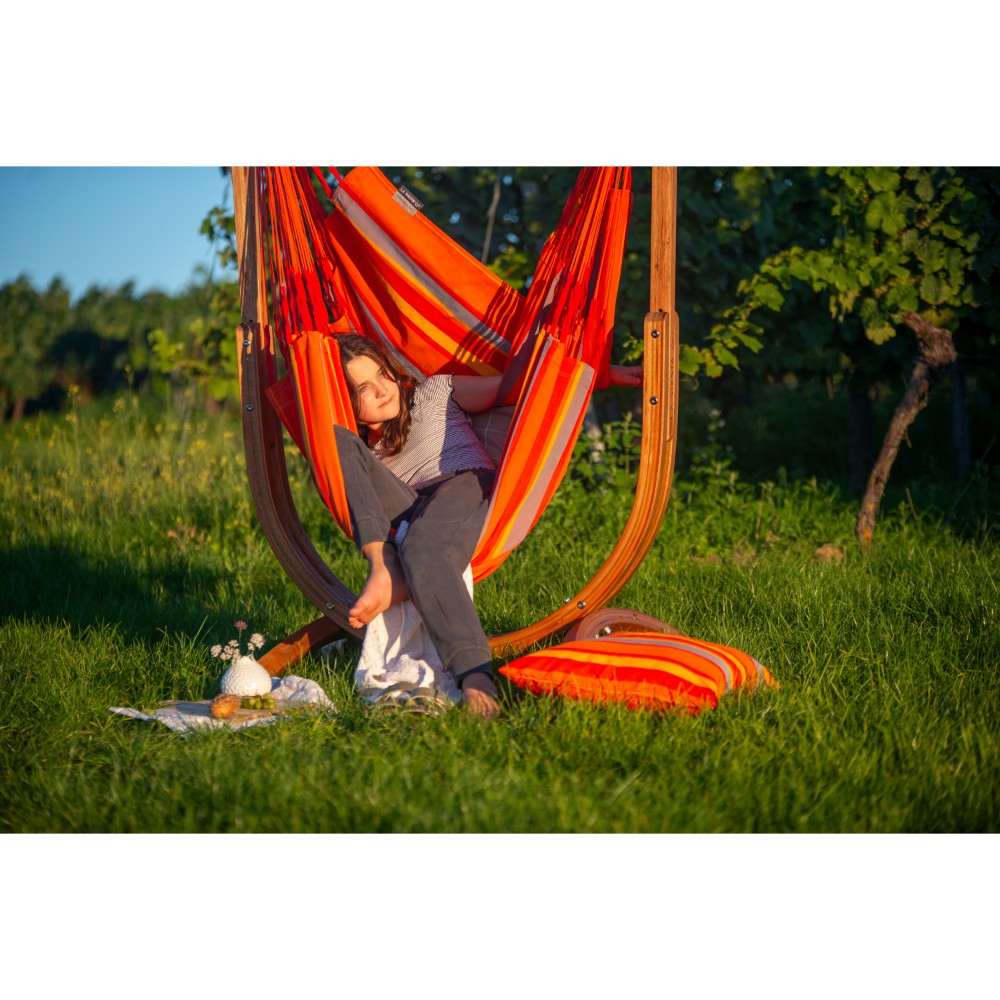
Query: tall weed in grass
{"points": [[129, 547]]}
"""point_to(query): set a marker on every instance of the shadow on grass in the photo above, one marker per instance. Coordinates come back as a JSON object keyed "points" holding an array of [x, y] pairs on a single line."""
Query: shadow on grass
{"points": [[59, 585]]}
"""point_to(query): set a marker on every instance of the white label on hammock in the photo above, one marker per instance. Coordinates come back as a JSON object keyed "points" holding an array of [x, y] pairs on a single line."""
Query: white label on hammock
{"points": [[410, 203]]}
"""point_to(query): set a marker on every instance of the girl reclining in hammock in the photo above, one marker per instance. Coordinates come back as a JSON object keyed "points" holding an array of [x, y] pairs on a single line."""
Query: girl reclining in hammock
{"points": [[422, 463]]}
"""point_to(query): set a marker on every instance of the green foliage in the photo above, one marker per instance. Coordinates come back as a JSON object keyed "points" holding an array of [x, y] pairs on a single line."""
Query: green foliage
{"points": [[219, 228], [29, 324], [112, 336], [876, 241], [898, 241], [197, 353], [105, 337], [729, 221]]}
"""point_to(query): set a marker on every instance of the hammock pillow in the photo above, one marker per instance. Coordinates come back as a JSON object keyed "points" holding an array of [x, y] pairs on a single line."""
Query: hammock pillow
{"points": [[492, 427], [640, 670]]}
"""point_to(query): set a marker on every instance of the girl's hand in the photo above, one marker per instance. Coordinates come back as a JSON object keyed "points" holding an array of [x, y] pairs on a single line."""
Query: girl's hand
{"points": [[475, 393], [626, 375]]}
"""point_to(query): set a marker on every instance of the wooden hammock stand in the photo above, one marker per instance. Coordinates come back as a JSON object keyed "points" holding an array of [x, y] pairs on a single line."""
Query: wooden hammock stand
{"points": [[584, 614]]}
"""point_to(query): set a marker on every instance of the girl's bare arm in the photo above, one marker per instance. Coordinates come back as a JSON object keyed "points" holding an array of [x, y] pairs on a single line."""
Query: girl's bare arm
{"points": [[626, 374], [475, 393]]}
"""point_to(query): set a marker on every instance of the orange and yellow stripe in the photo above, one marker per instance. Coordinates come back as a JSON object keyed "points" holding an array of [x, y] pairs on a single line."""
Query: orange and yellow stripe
{"points": [[640, 670]]}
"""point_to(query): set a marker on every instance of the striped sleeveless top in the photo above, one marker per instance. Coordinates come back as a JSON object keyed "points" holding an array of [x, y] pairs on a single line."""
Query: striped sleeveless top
{"points": [[441, 437]]}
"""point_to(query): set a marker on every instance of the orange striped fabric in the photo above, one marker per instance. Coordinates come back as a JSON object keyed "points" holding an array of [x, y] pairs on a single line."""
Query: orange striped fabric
{"points": [[319, 379], [588, 244], [640, 670], [376, 266], [539, 446], [413, 287]]}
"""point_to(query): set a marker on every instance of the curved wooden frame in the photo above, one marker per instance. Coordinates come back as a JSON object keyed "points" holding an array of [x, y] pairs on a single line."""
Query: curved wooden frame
{"points": [[263, 439], [608, 621]]}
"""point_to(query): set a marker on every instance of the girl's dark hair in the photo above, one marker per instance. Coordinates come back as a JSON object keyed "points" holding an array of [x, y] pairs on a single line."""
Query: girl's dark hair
{"points": [[395, 431]]}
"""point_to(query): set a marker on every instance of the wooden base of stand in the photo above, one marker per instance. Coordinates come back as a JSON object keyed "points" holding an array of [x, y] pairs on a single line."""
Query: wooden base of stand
{"points": [[323, 631]]}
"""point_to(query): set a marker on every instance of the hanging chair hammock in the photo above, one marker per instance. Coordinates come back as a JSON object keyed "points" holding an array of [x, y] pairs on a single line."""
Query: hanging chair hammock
{"points": [[373, 264]]}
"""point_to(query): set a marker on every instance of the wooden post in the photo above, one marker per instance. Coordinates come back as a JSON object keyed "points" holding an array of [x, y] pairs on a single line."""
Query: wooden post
{"points": [[253, 295], [663, 241]]}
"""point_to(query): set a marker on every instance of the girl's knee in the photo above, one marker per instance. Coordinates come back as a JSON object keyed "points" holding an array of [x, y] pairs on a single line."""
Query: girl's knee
{"points": [[416, 549], [346, 438]]}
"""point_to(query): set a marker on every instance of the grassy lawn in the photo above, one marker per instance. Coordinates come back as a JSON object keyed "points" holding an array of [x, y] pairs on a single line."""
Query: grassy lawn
{"points": [[130, 547]]}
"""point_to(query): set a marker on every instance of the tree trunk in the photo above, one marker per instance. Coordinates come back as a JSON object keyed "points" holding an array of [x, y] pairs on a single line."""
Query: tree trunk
{"points": [[20, 404], [491, 216], [936, 352]]}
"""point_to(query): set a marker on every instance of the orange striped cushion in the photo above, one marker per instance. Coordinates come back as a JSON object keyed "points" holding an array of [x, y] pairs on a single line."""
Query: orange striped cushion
{"points": [[640, 670]]}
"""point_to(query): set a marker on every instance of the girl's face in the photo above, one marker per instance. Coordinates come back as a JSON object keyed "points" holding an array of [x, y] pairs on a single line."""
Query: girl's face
{"points": [[377, 392]]}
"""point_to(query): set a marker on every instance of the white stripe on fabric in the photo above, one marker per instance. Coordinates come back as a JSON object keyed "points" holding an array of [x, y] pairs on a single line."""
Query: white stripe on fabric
{"points": [[390, 348], [675, 643], [362, 221], [526, 513]]}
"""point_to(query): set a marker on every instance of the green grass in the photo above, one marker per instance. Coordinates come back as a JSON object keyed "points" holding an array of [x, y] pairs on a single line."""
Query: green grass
{"points": [[129, 547]]}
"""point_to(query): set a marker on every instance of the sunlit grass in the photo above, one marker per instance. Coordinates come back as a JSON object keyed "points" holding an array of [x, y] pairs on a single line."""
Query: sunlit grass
{"points": [[129, 547]]}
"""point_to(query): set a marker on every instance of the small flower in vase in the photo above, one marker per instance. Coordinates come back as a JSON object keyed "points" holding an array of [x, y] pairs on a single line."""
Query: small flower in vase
{"points": [[245, 676]]}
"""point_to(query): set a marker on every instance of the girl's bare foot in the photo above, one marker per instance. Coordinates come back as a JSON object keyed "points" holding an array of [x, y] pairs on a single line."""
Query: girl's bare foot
{"points": [[479, 696], [385, 586]]}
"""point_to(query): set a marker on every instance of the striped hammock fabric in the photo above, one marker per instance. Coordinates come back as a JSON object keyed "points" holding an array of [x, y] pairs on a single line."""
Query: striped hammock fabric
{"points": [[375, 265]]}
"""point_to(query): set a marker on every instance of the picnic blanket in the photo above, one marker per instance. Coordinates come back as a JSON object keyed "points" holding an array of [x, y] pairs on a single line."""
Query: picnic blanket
{"points": [[187, 716], [399, 664]]}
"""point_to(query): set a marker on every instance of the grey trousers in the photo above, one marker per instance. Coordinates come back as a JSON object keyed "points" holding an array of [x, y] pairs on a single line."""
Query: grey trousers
{"points": [[446, 517]]}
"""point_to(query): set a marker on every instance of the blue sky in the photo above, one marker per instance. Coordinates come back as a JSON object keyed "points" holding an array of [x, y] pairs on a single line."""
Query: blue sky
{"points": [[107, 225]]}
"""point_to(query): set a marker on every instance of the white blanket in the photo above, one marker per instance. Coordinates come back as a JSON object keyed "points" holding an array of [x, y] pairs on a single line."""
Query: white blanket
{"points": [[187, 716], [399, 663]]}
